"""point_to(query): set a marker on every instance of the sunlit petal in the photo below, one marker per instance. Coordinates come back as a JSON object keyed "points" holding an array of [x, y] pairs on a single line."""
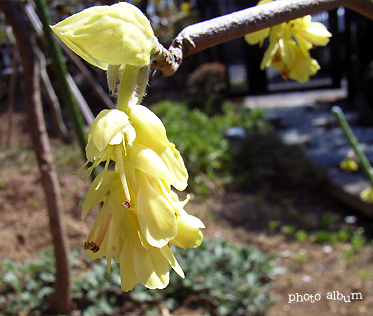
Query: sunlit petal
{"points": [[156, 216]]}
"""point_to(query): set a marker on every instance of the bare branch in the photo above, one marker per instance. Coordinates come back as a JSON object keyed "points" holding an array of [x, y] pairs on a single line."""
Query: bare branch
{"points": [[200, 36]]}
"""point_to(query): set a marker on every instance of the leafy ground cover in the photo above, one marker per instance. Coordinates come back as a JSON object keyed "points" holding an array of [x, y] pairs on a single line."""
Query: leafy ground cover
{"points": [[222, 279], [321, 246]]}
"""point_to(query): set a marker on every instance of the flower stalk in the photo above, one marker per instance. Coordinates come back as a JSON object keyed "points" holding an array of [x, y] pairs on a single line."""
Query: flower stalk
{"points": [[363, 160]]}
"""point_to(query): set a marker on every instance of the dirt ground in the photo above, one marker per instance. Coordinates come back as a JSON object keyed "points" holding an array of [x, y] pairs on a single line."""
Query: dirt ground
{"points": [[309, 268]]}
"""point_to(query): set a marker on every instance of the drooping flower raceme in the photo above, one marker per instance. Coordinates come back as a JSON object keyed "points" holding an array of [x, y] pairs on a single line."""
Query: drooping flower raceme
{"points": [[289, 46], [140, 215]]}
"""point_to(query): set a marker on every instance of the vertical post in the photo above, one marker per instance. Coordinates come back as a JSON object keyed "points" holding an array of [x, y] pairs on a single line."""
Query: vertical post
{"points": [[24, 37]]}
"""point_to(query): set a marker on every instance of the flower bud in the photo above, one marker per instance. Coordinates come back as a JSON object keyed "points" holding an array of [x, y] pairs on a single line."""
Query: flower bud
{"points": [[349, 165], [109, 35], [367, 195]]}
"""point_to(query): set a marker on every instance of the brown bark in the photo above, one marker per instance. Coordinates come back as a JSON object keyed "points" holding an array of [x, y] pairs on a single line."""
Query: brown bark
{"points": [[62, 298], [11, 97], [199, 36]]}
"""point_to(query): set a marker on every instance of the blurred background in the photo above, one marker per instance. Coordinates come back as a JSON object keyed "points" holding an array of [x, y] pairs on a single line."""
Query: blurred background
{"points": [[263, 156]]}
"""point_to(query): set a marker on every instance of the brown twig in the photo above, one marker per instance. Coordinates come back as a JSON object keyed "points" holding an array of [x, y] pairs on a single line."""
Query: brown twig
{"points": [[199, 36]]}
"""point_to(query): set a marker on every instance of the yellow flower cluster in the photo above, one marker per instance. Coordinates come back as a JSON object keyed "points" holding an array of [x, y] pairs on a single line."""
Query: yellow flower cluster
{"points": [[140, 214], [289, 46]]}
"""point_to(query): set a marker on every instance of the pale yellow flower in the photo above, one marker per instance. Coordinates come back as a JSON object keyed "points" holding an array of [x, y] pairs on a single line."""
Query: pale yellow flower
{"points": [[117, 234], [289, 46], [109, 35], [349, 164], [367, 195]]}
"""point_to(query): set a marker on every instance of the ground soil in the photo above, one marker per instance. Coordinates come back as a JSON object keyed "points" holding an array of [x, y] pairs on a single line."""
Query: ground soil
{"points": [[309, 267]]}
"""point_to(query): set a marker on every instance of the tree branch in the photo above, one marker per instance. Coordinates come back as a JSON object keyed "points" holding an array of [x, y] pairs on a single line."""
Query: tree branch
{"points": [[200, 36]]}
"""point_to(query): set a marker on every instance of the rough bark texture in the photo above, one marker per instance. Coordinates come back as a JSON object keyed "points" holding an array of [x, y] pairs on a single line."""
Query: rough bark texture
{"points": [[199, 36], [62, 298]]}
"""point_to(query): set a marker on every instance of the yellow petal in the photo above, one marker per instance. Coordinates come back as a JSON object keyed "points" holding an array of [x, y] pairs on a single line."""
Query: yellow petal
{"points": [[96, 196], [191, 220], [156, 216], [116, 197], [257, 37], [188, 233], [303, 68], [107, 125], [146, 160], [167, 253], [176, 167], [151, 267], [304, 44], [151, 133], [150, 128], [92, 153], [317, 34], [128, 274], [269, 54]]}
